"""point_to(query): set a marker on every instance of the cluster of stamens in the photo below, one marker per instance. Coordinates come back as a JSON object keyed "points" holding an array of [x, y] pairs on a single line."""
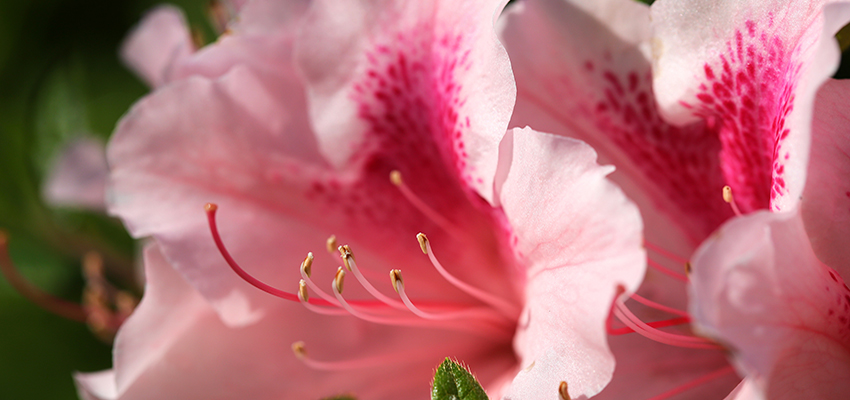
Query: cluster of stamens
{"points": [[494, 316]]}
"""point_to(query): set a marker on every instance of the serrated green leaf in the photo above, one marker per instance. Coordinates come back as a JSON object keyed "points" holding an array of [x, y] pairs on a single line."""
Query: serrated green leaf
{"points": [[453, 381]]}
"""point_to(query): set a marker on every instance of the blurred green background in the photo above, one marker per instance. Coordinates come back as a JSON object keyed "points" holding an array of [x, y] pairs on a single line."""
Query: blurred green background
{"points": [[60, 76]]}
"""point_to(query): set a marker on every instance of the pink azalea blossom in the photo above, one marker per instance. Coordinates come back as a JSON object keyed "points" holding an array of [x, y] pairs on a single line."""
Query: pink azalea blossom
{"points": [[408, 104], [759, 286], [684, 97]]}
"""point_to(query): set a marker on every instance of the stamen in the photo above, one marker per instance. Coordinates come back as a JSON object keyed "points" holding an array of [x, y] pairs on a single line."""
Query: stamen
{"points": [[307, 265], [661, 251], [469, 313], [330, 244], [339, 279], [398, 320], [627, 317], [658, 306], [506, 308], [304, 297], [211, 209], [562, 391], [727, 197], [300, 350], [351, 265], [654, 324], [306, 271], [696, 382], [46, 301], [666, 271], [430, 213]]}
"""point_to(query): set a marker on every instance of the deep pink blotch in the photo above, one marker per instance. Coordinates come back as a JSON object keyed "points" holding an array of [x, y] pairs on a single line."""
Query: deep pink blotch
{"points": [[410, 100], [750, 100], [681, 161]]}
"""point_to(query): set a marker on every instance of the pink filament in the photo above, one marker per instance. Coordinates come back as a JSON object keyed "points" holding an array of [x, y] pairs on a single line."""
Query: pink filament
{"points": [[655, 324], [506, 308], [666, 271], [371, 289], [369, 362], [694, 383], [658, 249], [484, 315], [657, 306], [629, 319], [211, 209], [426, 210]]}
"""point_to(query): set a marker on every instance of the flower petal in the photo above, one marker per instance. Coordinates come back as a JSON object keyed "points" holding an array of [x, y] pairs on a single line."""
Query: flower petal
{"points": [[826, 200], [757, 286], [393, 75], [582, 71], [175, 346], [578, 248], [157, 44], [199, 141], [96, 385], [751, 69]]}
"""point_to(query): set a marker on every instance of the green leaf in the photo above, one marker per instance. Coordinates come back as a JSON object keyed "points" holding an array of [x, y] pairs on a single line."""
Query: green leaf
{"points": [[453, 381]]}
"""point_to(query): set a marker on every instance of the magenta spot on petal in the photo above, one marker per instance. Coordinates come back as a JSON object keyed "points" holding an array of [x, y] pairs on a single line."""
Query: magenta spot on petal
{"points": [[709, 73], [682, 161], [751, 99]]}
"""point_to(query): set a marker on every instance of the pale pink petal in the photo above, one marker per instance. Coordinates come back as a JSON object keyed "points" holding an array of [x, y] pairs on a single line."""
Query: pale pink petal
{"points": [[582, 71], [159, 42], [260, 38], [580, 238], [96, 385], [826, 200], [747, 390], [175, 346], [77, 178], [205, 142], [416, 71], [758, 287], [751, 69]]}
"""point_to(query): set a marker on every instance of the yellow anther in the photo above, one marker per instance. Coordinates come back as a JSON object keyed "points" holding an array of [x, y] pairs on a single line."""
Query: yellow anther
{"points": [[423, 242], [210, 207], [302, 291], [339, 279], [395, 277], [331, 244], [727, 194], [347, 256], [562, 391], [307, 265], [688, 268], [395, 177], [299, 349]]}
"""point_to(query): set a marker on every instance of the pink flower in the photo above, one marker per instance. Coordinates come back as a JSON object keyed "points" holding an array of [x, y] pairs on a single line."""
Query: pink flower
{"points": [[699, 96], [760, 287], [408, 108]]}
